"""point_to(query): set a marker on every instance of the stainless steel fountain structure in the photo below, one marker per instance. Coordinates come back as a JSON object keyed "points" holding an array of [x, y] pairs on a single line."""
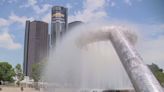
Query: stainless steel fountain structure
{"points": [[141, 77]]}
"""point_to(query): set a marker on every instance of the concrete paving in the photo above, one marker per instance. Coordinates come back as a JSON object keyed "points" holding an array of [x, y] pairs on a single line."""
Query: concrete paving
{"points": [[17, 89]]}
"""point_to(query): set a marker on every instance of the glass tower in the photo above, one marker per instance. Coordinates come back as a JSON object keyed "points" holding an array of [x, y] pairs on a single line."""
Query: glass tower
{"points": [[36, 44], [58, 23]]}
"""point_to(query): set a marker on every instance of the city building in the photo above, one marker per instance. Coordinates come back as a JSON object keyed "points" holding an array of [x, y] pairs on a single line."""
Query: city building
{"points": [[36, 44], [58, 23], [74, 24]]}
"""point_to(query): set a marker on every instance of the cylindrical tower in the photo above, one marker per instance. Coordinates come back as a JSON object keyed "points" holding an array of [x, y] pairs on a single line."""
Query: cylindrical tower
{"points": [[58, 23]]}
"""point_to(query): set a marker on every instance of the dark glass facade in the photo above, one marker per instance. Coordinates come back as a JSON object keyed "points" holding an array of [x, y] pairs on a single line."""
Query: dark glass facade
{"points": [[58, 23], [74, 24], [36, 44], [25, 68]]}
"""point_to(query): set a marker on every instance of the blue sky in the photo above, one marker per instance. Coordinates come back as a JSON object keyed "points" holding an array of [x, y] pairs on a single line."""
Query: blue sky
{"points": [[145, 15]]}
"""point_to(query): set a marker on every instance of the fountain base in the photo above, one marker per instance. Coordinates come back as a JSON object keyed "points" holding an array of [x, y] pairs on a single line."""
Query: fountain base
{"points": [[118, 91]]}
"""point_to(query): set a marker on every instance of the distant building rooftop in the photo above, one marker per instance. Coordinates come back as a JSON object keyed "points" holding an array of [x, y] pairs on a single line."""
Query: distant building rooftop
{"points": [[74, 24]]}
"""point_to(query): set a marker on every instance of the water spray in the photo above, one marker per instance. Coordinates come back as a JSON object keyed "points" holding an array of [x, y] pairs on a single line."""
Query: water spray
{"points": [[68, 69]]}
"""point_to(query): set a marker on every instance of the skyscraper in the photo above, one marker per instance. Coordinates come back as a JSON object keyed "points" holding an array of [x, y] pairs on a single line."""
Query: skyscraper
{"points": [[36, 44], [74, 24], [58, 23]]}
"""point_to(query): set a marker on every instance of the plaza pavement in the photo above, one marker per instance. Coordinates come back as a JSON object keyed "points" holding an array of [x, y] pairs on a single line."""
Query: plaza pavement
{"points": [[18, 89]]}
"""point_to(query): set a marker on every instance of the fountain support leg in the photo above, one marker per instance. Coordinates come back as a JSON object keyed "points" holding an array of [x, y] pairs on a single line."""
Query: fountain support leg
{"points": [[141, 77]]}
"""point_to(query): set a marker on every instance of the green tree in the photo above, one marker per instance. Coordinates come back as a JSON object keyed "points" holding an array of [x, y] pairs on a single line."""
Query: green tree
{"points": [[36, 73], [37, 69], [158, 72], [19, 73], [6, 72], [154, 68]]}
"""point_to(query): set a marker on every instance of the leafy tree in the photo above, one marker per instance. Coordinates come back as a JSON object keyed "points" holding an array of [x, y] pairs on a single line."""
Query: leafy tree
{"points": [[36, 72], [154, 68], [6, 72], [19, 74], [160, 76], [158, 72]]}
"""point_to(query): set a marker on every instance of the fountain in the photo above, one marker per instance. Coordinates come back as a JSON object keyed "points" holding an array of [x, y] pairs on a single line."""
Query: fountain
{"points": [[70, 68]]}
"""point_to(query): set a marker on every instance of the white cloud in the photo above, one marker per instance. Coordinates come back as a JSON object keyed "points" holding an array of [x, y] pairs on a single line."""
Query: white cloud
{"points": [[11, 1], [32, 2], [128, 2], [68, 5], [92, 10], [8, 1], [39, 9], [47, 18], [13, 18], [94, 4], [3, 22], [7, 41], [113, 4], [162, 26]]}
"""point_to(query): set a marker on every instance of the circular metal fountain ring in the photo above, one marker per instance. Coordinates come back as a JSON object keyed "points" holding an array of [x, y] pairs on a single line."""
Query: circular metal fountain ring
{"points": [[104, 34]]}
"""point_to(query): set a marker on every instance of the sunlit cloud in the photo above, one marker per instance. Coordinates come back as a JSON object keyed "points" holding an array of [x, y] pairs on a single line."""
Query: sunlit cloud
{"points": [[7, 41]]}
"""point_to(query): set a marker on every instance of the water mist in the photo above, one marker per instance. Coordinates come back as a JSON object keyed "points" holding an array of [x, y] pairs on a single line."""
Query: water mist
{"points": [[86, 59]]}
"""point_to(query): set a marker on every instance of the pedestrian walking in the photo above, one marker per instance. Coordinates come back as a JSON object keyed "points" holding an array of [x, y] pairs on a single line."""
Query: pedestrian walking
{"points": [[21, 89]]}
